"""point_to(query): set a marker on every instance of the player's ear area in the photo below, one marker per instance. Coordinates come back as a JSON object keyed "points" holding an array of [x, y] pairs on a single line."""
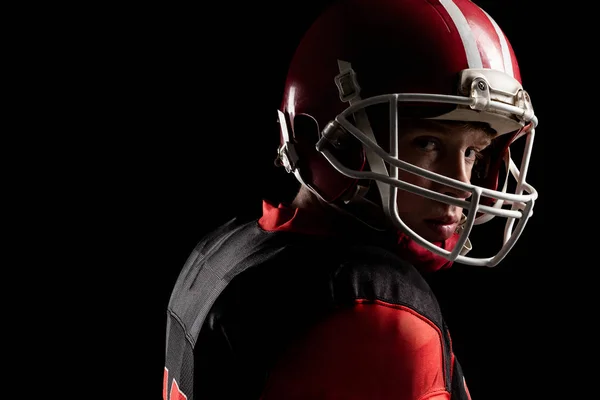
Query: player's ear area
{"points": [[343, 146], [305, 128], [306, 134]]}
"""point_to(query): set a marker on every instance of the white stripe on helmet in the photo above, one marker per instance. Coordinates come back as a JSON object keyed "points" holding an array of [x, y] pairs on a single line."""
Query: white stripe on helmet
{"points": [[469, 42], [508, 67]]}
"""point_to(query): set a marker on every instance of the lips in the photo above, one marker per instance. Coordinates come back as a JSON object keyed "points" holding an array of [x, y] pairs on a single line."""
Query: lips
{"points": [[442, 227], [444, 220]]}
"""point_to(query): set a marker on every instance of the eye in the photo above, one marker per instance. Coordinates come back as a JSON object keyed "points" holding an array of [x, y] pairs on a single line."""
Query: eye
{"points": [[426, 143], [473, 154]]}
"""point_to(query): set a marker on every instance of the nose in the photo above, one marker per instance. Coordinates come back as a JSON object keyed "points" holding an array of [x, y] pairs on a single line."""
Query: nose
{"points": [[458, 169]]}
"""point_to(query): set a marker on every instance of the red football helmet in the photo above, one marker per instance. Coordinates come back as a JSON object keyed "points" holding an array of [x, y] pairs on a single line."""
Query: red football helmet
{"points": [[434, 59]]}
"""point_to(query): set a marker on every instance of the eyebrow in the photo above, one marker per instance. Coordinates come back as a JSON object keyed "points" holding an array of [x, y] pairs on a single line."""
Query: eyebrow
{"points": [[486, 141]]}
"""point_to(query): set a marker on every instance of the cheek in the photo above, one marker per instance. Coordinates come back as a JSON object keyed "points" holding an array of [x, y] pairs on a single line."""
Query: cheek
{"points": [[414, 179], [469, 171], [410, 202]]}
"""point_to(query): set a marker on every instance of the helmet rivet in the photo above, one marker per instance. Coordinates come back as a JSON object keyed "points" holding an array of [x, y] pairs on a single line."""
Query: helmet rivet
{"points": [[481, 85]]}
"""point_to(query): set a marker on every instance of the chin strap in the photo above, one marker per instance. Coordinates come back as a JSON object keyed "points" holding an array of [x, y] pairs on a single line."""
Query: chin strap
{"points": [[467, 247], [349, 91]]}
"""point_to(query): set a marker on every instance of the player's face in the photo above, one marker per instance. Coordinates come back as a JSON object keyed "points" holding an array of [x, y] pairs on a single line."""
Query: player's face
{"points": [[451, 151]]}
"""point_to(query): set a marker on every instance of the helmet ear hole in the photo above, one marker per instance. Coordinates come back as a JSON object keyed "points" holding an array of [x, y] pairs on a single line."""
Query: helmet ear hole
{"points": [[305, 128], [306, 134], [314, 168]]}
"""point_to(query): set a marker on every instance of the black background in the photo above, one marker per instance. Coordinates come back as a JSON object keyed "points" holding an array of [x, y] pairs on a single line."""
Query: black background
{"points": [[176, 133]]}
